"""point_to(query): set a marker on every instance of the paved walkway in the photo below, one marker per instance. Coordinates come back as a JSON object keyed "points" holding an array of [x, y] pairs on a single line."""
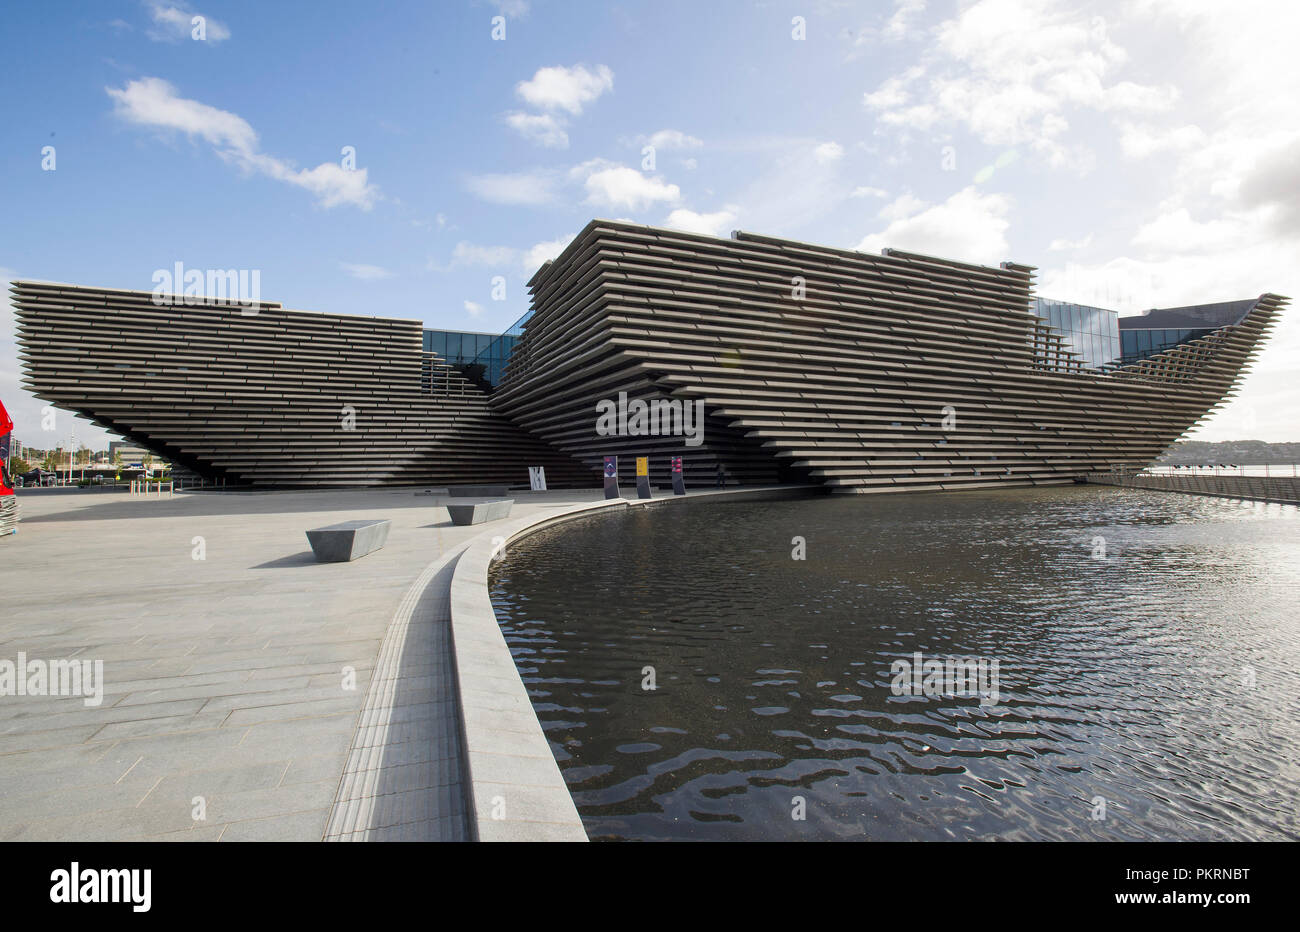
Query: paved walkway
{"points": [[228, 710]]}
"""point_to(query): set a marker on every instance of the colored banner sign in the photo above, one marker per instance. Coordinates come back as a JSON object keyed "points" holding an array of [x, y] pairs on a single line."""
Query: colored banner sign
{"points": [[611, 467], [643, 465], [677, 464]]}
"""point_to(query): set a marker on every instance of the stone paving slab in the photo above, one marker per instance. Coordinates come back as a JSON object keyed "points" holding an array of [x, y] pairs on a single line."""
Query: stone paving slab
{"points": [[223, 677]]}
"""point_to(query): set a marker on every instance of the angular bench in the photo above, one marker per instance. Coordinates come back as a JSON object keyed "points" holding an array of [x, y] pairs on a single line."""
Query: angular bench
{"points": [[476, 512], [348, 540], [477, 491]]}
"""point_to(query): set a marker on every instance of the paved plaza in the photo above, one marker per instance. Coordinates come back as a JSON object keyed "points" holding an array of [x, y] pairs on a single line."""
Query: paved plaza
{"points": [[228, 709]]}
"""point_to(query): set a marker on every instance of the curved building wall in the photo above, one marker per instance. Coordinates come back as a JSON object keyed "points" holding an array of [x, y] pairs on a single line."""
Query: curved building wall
{"points": [[868, 373], [269, 396]]}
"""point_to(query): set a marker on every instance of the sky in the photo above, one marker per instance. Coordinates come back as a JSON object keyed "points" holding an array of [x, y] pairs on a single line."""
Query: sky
{"points": [[421, 160]]}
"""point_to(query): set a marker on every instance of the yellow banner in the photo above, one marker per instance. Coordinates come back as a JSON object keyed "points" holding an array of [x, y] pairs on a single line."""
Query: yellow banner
{"points": [[643, 465]]}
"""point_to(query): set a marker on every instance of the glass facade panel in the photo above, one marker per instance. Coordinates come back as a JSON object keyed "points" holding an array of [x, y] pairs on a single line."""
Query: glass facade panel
{"points": [[1141, 344], [481, 357], [1091, 333]]}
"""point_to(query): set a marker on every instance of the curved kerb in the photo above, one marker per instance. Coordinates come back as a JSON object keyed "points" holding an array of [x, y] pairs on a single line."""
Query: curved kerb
{"points": [[513, 786], [402, 778]]}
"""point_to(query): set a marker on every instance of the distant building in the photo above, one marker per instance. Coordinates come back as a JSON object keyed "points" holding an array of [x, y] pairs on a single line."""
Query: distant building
{"points": [[130, 452]]}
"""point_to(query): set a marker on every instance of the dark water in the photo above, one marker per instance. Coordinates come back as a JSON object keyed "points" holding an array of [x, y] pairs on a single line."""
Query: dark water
{"points": [[1159, 681]]}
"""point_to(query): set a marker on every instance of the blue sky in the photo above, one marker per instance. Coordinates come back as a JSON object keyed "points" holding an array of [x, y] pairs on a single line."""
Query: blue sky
{"points": [[1139, 154]]}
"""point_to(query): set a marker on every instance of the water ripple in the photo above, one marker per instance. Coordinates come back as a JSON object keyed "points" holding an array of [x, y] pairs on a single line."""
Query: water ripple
{"points": [[1148, 648]]}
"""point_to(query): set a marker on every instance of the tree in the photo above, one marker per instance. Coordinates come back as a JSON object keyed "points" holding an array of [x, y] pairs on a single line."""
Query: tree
{"points": [[18, 466]]}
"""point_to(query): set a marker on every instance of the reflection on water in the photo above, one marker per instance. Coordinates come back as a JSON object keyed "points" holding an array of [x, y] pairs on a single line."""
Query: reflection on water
{"points": [[1147, 647]]}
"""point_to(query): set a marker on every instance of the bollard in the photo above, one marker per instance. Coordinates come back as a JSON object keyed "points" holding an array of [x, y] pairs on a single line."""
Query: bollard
{"points": [[611, 477], [643, 477]]}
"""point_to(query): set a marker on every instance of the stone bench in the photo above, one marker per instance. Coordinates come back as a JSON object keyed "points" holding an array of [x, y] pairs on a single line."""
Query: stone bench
{"points": [[476, 512], [477, 491], [349, 540]]}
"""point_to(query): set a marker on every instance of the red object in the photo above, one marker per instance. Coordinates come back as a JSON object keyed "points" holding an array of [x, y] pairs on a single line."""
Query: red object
{"points": [[6, 425]]}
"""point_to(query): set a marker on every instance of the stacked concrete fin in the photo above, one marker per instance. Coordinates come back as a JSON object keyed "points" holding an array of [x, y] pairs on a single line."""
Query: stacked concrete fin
{"points": [[867, 373], [265, 396]]}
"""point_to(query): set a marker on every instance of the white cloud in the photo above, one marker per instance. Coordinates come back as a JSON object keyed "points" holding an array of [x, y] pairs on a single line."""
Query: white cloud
{"points": [[868, 191], [1175, 232], [470, 254], [531, 188], [473, 309], [901, 207], [173, 23], [689, 164], [609, 184], [1067, 245], [365, 272], [1223, 221], [828, 152], [153, 102], [515, 8], [793, 192], [714, 224], [540, 128], [1273, 183], [1140, 140], [900, 24], [969, 226], [670, 139], [893, 91], [542, 252], [568, 89], [1012, 72]]}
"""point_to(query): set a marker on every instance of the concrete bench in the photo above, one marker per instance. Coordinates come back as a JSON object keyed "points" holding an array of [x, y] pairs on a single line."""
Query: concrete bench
{"points": [[473, 512], [477, 491], [349, 540]]}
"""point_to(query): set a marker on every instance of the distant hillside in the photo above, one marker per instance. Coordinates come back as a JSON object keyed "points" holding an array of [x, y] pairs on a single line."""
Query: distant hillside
{"points": [[1235, 452]]}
